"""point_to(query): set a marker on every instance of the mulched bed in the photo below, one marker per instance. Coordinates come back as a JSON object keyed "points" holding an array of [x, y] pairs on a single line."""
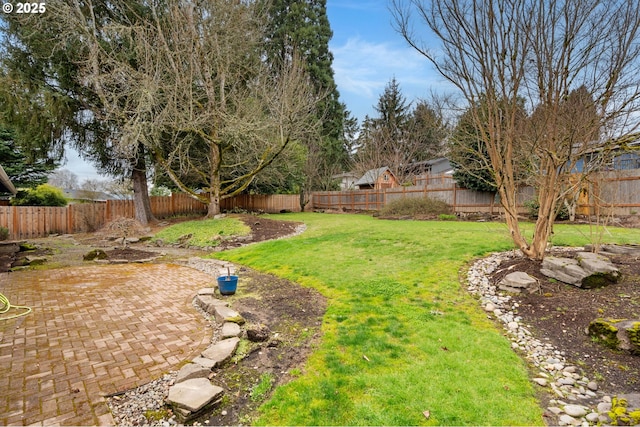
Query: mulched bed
{"points": [[130, 254], [561, 313]]}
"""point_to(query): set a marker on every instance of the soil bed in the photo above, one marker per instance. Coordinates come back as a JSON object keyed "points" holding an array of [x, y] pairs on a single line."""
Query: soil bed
{"points": [[561, 313]]}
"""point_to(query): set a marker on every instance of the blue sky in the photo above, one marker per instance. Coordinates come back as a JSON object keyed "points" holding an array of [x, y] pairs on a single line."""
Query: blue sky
{"points": [[367, 53]]}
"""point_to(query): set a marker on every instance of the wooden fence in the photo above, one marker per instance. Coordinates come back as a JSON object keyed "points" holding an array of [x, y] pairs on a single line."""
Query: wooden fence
{"points": [[441, 187], [616, 193], [27, 222], [275, 203]]}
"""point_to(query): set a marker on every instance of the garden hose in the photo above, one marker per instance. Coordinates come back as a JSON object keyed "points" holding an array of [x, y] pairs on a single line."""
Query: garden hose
{"points": [[5, 306]]}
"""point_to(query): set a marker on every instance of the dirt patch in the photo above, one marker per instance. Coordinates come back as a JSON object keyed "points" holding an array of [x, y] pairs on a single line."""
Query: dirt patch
{"points": [[293, 315], [561, 313]]}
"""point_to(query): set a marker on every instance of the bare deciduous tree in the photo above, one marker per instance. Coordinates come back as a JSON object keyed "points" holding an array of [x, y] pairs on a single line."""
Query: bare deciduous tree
{"points": [[64, 178], [187, 82], [201, 98], [539, 51]]}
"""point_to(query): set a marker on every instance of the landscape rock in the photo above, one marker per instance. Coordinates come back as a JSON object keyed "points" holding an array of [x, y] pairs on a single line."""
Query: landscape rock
{"points": [[587, 270], [204, 362], [221, 351], [193, 394], [519, 281], [229, 330], [208, 303], [95, 254], [540, 381], [568, 420], [625, 409], [226, 314], [36, 260], [258, 333], [575, 411], [191, 371], [617, 334], [616, 249]]}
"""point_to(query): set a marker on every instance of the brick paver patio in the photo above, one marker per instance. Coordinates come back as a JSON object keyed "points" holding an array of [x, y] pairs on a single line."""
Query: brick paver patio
{"points": [[93, 331]]}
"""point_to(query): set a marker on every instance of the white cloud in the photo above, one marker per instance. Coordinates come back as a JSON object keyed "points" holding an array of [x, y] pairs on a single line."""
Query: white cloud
{"points": [[363, 69]]}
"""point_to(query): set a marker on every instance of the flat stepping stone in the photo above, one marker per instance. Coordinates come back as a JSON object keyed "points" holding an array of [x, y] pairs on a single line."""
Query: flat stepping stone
{"points": [[230, 329], [204, 362], [519, 281], [226, 314], [191, 371], [207, 291], [193, 394], [221, 351], [209, 303]]}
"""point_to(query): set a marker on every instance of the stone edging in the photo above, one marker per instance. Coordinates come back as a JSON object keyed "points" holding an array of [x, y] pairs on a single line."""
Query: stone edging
{"points": [[577, 401]]}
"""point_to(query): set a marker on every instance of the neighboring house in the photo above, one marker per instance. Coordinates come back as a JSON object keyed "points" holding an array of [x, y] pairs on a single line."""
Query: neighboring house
{"points": [[377, 179], [626, 158], [437, 166], [86, 195], [347, 180]]}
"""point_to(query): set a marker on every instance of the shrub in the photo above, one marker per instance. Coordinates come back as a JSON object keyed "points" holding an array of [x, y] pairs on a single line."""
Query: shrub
{"points": [[42, 195], [4, 233], [410, 206], [533, 205], [447, 217]]}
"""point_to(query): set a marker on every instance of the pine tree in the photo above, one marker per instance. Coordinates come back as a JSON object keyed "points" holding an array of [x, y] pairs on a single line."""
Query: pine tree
{"points": [[302, 28], [46, 101], [23, 170]]}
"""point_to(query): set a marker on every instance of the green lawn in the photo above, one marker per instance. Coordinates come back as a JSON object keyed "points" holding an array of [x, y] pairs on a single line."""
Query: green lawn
{"points": [[401, 335]]}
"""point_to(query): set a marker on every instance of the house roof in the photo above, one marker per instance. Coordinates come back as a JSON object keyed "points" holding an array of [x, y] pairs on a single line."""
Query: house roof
{"points": [[371, 176], [86, 195], [345, 175], [6, 186]]}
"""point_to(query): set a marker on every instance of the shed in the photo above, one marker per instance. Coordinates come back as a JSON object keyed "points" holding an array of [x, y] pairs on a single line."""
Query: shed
{"points": [[377, 179]]}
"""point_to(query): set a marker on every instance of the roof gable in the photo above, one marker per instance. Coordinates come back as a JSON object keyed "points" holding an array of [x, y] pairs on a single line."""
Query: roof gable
{"points": [[371, 176]]}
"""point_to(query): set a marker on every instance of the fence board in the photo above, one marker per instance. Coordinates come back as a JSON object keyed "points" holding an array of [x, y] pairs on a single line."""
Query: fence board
{"points": [[29, 222], [266, 203]]}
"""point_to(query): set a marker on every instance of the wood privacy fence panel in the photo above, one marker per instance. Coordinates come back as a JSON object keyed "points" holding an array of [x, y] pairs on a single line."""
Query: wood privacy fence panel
{"points": [[441, 187], [364, 200], [615, 193], [266, 203], [28, 222]]}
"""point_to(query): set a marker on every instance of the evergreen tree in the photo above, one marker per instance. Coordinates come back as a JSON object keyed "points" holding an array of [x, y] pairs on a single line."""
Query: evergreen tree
{"points": [[393, 111], [46, 100], [469, 157], [23, 170], [301, 27]]}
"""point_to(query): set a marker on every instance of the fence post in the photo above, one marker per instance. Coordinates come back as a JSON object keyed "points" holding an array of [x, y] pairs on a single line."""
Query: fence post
{"points": [[14, 214], [455, 199], [70, 219]]}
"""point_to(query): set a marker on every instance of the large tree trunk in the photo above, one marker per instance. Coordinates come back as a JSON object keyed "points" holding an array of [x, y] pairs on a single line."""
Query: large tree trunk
{"points": [[214, 183], [141, 201]]}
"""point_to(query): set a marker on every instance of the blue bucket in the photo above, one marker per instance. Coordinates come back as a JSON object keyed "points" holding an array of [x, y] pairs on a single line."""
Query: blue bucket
{"points": [[227, 285]]}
